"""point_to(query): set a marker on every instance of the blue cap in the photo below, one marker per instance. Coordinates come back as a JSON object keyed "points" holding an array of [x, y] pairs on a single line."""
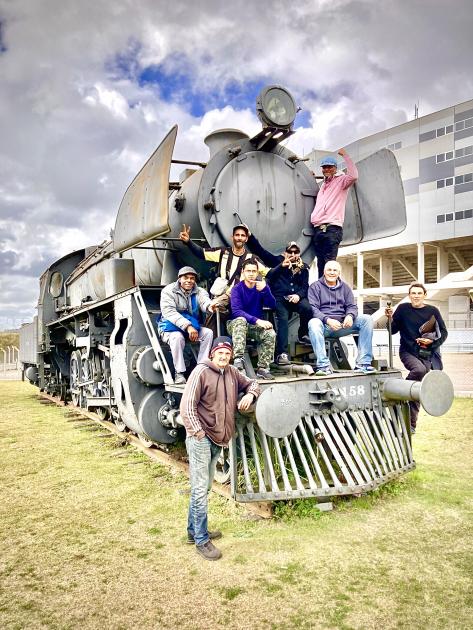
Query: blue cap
{"points": [[328, 161]]}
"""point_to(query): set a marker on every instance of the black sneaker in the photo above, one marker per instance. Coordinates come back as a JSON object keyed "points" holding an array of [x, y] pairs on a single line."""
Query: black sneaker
{"points": [[209, 551], [304, 340], [282, 359], [212, 535], [264, 374]]}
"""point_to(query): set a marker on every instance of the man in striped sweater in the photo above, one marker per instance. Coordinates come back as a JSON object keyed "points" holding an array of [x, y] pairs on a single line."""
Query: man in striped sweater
{"points": [[208, 408]]}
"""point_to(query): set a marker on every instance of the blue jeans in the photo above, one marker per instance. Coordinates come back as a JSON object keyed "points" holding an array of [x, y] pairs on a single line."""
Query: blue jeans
{"points": [[363, 325], [203, 455]]}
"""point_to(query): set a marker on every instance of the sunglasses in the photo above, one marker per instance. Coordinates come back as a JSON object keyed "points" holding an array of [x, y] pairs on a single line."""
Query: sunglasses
{"points": [[293, 251]]}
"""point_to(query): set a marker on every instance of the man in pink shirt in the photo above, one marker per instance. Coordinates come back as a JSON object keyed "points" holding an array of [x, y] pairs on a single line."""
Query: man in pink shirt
{"points": [[329, 212]]}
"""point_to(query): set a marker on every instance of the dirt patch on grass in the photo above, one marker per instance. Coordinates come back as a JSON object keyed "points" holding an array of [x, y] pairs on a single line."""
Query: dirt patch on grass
{"points": [[89, 540]]}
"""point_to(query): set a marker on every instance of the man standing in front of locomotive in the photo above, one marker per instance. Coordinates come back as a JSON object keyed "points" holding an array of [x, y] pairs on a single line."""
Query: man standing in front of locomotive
{"points": [[208, 408], [336, 315], [248, 298], [181, 302], [422, 331], [329, 212]]}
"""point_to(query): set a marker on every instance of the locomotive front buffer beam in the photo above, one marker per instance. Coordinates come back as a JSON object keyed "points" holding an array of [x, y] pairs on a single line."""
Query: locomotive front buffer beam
{"points": [[344, 435]]}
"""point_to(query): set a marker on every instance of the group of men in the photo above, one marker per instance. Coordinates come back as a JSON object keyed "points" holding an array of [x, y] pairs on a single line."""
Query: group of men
{"points": [[249, 280]]}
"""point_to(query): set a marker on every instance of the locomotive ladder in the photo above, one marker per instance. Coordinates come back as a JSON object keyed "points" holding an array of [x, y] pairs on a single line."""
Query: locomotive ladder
{"points": [[326, 455]]}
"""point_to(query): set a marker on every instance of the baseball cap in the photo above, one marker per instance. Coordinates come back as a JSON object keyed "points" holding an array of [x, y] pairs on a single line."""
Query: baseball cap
{"points": [[241, 226], [328, 161]]}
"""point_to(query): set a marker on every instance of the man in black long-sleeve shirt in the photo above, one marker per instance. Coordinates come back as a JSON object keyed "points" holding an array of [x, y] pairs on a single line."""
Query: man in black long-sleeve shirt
{"points": [[418, 352], [289, 283]]}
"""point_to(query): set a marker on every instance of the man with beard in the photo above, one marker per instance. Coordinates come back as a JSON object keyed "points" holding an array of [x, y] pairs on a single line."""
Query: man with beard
{"points": [[289, 282]]}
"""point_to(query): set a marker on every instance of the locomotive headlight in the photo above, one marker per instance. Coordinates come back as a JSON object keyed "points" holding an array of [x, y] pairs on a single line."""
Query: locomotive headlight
{"points": [[275, 107]]}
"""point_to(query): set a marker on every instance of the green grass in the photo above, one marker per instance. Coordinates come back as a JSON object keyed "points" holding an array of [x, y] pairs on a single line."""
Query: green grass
{"points": [[90, 540]]}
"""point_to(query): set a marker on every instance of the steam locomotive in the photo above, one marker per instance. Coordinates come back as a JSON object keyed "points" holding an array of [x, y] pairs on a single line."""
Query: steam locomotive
{"points": [[95, 339]]}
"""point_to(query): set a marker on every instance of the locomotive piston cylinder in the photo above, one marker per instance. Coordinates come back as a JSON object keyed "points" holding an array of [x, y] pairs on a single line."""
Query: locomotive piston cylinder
{"points": [[435, 392]]}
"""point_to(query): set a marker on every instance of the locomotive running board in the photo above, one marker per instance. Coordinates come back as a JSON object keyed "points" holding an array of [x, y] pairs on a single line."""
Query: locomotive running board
{"points": [[327, 455]]}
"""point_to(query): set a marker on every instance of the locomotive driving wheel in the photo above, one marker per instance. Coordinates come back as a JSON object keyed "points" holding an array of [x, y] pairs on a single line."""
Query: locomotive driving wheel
{"points": [[75, 374]]}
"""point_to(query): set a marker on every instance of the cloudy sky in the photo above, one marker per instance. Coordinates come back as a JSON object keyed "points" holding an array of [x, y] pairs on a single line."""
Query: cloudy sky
{"points": [[89, 87]]}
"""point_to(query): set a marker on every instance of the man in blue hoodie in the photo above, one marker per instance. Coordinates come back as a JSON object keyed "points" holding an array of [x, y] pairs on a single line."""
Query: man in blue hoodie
{"points": [[336, 315]]}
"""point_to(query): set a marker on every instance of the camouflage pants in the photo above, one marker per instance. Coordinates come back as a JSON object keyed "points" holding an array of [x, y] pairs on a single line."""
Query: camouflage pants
{"points": [[239, 329]]}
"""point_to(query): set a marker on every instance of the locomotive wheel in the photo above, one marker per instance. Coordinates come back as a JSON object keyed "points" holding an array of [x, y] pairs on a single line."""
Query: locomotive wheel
{"points": [[121, 426], [102, 412], [75, 372], [222, 470], [145, 440]]}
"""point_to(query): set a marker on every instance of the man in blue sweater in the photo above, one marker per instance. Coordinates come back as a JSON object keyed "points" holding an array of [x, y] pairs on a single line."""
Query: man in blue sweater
{"points": [[336, 315], [247, 300]]}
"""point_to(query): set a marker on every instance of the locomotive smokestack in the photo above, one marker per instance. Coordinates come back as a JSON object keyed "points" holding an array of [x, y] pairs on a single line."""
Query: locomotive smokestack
{"points": [[222, 138]]}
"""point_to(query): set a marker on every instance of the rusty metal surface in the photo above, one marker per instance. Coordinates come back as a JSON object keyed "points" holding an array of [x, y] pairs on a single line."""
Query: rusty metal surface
{"points": [[144, 210]]}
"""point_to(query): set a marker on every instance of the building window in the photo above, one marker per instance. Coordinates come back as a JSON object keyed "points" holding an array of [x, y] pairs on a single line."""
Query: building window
{"points": [[449, 216], [395, 146], [449, 181], [463, 179], [458, 215], [440, 183], [468, 214], [440, 218], [443, 157], [441, 131], [464, 124], [463, 152]]}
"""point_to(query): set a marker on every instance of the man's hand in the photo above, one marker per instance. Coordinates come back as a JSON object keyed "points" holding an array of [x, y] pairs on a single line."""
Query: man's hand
{"points": [[388, 311], [199, 435], [193, 333], [263, 323], [287, 260], [214, 306], [424, 341], [260, 284], [185, 235], [246, 402], [341, 152], [334, 324], [348, 321], [293, 298]]}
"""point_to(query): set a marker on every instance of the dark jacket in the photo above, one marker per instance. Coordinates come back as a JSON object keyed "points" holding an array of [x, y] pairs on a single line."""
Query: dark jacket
{"points": [[210, 399], [335, 302], [282, 280], [407, 321]]}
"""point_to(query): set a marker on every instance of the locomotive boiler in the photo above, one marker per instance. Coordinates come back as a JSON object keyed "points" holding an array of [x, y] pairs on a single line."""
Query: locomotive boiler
{"points": [[307, 436]]}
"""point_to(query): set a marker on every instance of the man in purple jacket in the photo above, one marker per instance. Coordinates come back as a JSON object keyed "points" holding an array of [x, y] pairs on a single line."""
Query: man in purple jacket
{"points": [[247, 300], [336, 315], [329, 211]]}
